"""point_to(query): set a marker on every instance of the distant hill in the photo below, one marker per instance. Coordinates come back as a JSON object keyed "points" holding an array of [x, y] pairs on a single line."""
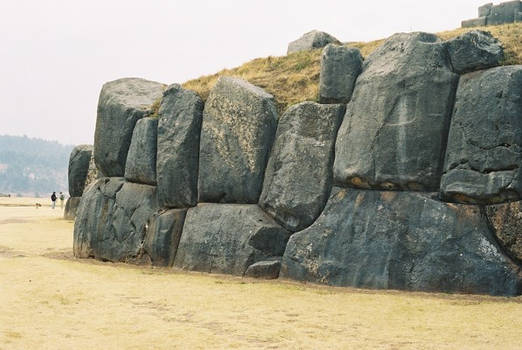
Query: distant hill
{"points": [[32, 167]]}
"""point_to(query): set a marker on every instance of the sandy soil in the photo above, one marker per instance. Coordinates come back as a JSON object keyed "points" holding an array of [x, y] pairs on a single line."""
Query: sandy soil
{"points": [[49, 300]]}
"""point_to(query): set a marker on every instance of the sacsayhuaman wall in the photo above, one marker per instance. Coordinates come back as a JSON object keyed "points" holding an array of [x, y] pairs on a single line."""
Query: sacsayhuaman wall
{"points": [[490, 14], [406, 175]]}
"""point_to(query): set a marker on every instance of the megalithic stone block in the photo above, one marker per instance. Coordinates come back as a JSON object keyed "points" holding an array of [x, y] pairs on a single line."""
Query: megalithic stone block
{"points": [[140, 166], [179, 128], [394, 132], [228, 238], [340, 67], [78, 169], [401, 240], [239, 124], [484, 153], [299, 173], [122, 103]]}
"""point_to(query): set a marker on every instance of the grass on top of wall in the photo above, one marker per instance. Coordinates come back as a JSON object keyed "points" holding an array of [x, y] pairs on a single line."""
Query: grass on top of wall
{"points": [[295, 78]]}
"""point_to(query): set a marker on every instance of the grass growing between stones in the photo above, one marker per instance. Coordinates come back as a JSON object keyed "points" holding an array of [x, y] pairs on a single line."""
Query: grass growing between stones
{"points": [[49, 300], [295, 78]]}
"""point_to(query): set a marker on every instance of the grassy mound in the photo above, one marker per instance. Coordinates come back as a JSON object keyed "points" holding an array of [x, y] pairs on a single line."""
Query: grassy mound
{"points": [[295, 78]]}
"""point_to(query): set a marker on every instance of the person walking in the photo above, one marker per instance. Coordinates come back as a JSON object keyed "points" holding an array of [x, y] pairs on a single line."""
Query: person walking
{"points": [[53, 200], [62, 198]]}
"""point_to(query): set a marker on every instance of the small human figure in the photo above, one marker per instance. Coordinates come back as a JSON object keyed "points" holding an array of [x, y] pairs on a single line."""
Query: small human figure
{"points": [[53, 200], [62, 197]]}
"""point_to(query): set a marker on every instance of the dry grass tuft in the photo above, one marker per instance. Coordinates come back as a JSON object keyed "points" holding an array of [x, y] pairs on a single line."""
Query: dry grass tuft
{"points": [[295, 78]]}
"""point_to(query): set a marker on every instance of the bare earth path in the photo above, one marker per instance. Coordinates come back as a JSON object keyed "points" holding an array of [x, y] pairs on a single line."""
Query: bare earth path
{"points": [[49, 300]]}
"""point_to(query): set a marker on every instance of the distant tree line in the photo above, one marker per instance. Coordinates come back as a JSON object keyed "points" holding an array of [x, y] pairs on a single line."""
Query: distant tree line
{"points": [[32, 166]]}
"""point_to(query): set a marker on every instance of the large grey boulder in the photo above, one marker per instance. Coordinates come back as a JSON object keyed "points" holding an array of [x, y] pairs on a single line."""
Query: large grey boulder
{"points": [[179, 128], [299, 173], [239, 124], [394, 131], [163, 235], [506, 219], [340, 67], [71, 207], [474, 50], [78, 169], [228, 238], [122, 103], [141, 160], [400, 240], [312, 40], [112, 220], [484, 153]]}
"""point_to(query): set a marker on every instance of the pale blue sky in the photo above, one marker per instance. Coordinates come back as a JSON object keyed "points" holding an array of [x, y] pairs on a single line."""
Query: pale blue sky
{"points": [[56, 54]]}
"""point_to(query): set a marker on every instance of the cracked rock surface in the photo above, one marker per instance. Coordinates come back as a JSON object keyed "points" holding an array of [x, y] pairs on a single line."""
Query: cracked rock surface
{"points": [[400, 240], [484, 152], [394, 131], [112, 220], [506, 219]]}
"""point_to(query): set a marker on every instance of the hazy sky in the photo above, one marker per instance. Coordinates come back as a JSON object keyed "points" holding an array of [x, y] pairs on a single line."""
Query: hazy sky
{"points": [[55, 54]]}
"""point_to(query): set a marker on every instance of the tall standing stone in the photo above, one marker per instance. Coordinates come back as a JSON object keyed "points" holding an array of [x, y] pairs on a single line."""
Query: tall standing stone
{"points": [[340, 67], [239, 124], [122, 103], [179, 129], [484, 154], [78, 169], [394, 132], [140, 166], [299, 173]]}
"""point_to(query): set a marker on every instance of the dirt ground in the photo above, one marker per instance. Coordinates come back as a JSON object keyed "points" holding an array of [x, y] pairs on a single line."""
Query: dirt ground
{"points": [[50, 300]]}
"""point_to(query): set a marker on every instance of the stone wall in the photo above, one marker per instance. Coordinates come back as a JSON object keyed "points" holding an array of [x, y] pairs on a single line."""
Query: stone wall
{"points": [[489, 14], [406, 177]]}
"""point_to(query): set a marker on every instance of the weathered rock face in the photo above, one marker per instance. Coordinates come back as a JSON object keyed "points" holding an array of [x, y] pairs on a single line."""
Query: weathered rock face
{"points": [[179, 128], [474, 50], [122, 103], [312, 40], [394, 132], [299, 173], [484, 152], [141, 160], [228, 238], [239, 123], [506, 220], [340, 67], [400, 240], [162, 239], [71, 207], [78, 169], [476, 22], [112, 220]]}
